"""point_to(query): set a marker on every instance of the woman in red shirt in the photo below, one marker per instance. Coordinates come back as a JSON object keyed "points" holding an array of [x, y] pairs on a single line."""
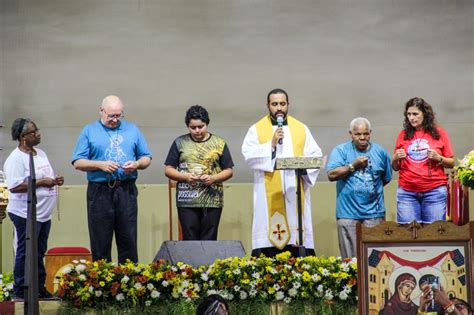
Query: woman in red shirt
{"points": [[422, 151]]}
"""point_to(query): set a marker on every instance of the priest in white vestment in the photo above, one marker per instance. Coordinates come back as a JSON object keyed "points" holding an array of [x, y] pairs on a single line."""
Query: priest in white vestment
{"points": [[275, 217]]}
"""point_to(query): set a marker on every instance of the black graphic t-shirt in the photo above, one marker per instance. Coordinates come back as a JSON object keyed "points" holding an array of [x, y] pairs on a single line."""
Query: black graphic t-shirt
{"points": [[208, 157]]}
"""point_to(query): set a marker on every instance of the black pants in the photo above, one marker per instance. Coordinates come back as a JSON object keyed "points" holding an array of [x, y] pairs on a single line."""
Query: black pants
{"points": [[199, 223], [109, 210], [273, 251], [42, 232]]}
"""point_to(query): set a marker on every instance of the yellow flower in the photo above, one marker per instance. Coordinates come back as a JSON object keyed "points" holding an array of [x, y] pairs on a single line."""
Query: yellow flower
{"points": [[283, 256], [306, 276], [339, 275], [271, 290], [102, 283], [159, 276]]}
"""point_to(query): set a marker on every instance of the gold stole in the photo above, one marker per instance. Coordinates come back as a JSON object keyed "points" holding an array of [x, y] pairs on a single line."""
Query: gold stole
{"points": [[278, 230]]}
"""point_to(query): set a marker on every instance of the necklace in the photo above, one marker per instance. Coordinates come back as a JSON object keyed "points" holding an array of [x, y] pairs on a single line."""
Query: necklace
{"points": [[418, 149], [112, 178], [117, 129], [370, 184], [365, 153], [418, 142]]}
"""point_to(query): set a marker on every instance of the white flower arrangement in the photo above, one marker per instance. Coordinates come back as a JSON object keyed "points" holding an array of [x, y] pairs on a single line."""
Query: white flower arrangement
{"points": [[313, 280], [465, 170]]}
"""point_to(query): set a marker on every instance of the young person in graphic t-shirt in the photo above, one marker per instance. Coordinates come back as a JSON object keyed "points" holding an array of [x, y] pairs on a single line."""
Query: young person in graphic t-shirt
{"points": [[422, 151], [200, 162]]}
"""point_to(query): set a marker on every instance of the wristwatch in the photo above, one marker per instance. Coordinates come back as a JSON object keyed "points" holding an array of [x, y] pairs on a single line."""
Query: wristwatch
{"points": [[351, 167]]}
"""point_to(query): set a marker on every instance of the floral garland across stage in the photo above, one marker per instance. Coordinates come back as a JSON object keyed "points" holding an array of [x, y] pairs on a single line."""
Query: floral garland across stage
{"points": [[318, 284]]}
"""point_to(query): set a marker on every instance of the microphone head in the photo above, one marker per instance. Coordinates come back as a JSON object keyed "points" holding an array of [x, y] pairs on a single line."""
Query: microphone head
{"points": [[280, 121]]}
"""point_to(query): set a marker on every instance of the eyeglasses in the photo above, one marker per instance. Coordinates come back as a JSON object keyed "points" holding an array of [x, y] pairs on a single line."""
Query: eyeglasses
{"points": [[36, 132], [113, 116]]}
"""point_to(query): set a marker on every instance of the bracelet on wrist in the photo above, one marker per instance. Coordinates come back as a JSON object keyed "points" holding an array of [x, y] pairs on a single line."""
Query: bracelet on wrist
{"points": [[351, 167], [440, 162], [449, 308]]}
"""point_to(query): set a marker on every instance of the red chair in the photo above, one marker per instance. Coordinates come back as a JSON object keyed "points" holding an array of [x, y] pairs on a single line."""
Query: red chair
{"points": [[57, 258]]}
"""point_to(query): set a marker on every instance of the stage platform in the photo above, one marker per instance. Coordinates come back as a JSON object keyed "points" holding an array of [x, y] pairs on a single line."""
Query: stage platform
{"points": [[45, 307]]}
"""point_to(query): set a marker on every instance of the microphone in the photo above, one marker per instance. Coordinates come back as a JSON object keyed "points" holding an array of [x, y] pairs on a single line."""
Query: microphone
{"points": [[280, 124], [434, 285]]}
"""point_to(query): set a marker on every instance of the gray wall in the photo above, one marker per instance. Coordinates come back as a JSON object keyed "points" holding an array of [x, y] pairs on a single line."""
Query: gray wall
{"points": [[337, 59]]}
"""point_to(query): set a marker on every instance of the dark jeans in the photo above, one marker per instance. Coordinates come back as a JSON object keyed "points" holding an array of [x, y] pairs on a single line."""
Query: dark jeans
{"points": [[42, 232], [109, 210], [199, 224]]}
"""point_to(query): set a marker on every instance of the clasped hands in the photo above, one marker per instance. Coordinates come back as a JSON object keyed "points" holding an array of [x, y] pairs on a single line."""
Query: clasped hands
{"points": [[431, 154], [111, 166], [206, 179], [51, 182]]}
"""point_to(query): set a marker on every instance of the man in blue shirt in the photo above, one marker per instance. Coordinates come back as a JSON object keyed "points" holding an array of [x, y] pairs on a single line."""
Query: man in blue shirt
{"points": [[361, 169], [111, 150]]}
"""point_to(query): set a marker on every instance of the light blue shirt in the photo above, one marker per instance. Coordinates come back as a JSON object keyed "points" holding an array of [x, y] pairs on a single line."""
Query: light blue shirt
{"points": [[121, 144], [360, 194]]}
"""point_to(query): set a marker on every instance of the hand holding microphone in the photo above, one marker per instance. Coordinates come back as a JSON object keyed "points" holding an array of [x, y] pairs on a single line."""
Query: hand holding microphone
{"points": [[280, 125]]}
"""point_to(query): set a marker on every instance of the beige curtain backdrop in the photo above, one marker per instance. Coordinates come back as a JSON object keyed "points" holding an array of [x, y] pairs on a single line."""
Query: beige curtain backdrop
{"points": [[337, 59]]}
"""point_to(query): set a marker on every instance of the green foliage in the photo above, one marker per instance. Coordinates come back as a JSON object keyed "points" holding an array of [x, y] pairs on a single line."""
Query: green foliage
{"points": [[465, 170], [6, 286]]}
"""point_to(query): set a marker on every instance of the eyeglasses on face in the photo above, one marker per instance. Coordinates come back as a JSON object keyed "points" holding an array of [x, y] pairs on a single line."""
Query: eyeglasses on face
{"points": [[113, 116], [36, 132]]}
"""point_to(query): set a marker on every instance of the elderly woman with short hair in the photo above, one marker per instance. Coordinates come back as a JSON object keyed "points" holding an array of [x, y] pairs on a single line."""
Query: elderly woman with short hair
{"points": [[17, 171]]}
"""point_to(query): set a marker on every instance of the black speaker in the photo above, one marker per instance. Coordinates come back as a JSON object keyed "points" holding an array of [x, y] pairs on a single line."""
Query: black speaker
{"points": [[198, 253]]}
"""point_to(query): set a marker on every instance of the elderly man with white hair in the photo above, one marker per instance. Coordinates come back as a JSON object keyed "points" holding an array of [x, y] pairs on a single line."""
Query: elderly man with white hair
{"points": [[361, 169]]}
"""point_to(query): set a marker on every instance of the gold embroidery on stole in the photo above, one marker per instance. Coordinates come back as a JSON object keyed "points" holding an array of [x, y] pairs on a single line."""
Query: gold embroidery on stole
{"points": [[278, 230]]}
